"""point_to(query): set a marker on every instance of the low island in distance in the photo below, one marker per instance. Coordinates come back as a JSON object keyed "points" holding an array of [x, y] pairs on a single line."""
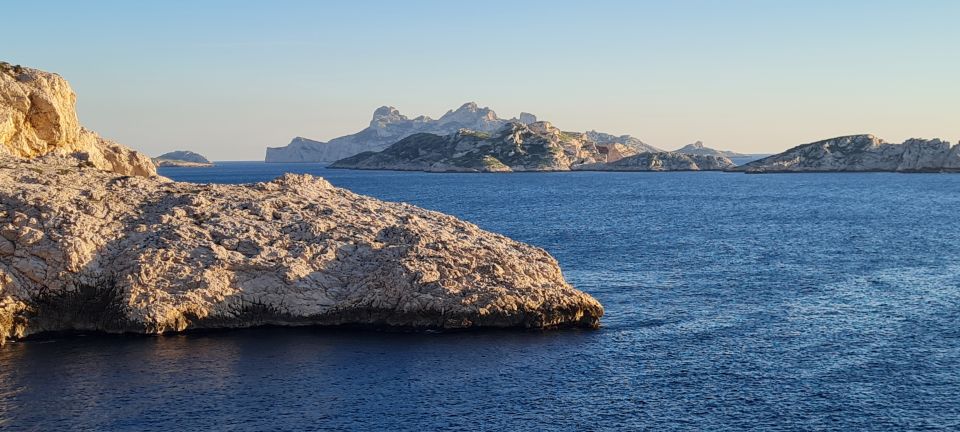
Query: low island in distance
{"points": [[182, 158]]}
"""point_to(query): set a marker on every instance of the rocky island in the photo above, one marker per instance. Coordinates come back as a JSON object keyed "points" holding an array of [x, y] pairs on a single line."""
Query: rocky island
{"points": [[389, 126], [517, 147], [698, 149], [859, 153], [182, 158], [605, 139], [91, 239]]}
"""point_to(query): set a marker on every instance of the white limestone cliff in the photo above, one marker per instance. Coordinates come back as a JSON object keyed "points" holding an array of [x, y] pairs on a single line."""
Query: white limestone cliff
{"points": [[38, 117]]}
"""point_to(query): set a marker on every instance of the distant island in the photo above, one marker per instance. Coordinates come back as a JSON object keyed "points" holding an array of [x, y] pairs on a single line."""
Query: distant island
{"points": [[540, 146], [182, 158], [518, 147], [388, 126], [860, 153], [699, 149]]}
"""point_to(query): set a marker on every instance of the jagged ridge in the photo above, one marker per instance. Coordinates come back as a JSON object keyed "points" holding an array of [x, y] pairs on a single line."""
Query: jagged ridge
{"points": [[387, 127], [517, 147], [862, 153]]}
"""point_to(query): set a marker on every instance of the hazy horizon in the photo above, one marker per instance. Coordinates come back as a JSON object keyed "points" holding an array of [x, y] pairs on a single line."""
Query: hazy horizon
{"points": [[228, 79]]}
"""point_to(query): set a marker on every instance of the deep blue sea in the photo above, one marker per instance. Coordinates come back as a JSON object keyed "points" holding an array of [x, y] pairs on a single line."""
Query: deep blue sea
{"points": [[761, 302]]}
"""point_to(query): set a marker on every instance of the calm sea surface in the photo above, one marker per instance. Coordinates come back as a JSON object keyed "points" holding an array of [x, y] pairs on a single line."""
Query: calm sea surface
{"points": [[778, 302]]}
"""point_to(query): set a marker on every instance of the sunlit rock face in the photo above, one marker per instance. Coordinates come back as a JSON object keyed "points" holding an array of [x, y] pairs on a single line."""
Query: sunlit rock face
{"points": [[862, 153], [38, 118], [85, 249]]}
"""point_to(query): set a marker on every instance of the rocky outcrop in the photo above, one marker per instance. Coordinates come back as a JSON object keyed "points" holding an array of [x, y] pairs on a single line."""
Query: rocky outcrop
{"points": [[182, 158], [536, 146], [699, 149], [84, 249], [517, 147], [663, 161], [861, 153], [38, 118], [624, 140], [387, 127], [527, 118]]}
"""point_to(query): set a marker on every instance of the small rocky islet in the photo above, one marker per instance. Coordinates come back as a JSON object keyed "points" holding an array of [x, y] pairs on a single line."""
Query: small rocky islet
{"points": [[92, 239], [182, 158]]}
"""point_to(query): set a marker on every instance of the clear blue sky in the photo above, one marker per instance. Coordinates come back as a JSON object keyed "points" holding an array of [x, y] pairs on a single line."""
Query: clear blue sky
{"points": [[229, 78]]}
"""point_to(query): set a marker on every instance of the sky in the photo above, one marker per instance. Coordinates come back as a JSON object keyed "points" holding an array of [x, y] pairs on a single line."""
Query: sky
{"points": [[230, 78]]}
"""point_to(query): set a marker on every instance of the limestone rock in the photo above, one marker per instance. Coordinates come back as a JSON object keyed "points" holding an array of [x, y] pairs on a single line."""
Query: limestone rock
{"points": [[537, 146], [699, 149], [663, 161], [861, 153], [386, 127], [84, 249], [38, 118], [626, 140], [527, 118], [182, 158]]}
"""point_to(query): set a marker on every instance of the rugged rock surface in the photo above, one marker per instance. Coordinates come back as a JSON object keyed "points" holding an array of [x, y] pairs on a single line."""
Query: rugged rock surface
{"points": [[663, 161], [182, 158], [38, 117], [625, 140], [516, 147], [84, 249], [387, 127], [862, 153], [699, 149]]}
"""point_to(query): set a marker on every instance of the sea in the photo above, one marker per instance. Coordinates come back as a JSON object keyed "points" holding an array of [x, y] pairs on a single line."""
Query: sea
{"points": [[733, 302]]}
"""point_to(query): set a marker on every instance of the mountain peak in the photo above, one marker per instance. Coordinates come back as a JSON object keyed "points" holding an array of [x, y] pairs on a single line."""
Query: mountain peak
{"points": [[469, 106], [470, 114], [386, 114]]}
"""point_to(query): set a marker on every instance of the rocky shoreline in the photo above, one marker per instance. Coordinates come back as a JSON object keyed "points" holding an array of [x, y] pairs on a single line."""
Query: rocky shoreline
{"points": [[89, 243]]}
